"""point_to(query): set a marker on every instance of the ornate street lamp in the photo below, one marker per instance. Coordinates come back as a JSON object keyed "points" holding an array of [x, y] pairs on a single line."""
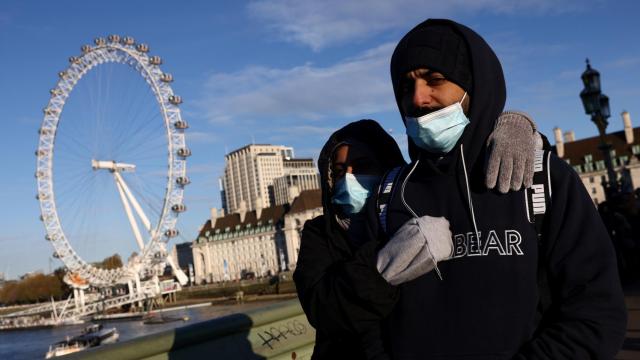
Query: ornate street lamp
{"points": [[596, 104]]}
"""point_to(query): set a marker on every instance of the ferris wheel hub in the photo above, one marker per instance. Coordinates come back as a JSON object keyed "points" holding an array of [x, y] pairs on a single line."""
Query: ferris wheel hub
{"points": [[112, 166]]}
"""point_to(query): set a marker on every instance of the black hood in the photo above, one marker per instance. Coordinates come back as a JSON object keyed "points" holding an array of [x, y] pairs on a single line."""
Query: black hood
{"points": [[487, 86], [365, 132]]}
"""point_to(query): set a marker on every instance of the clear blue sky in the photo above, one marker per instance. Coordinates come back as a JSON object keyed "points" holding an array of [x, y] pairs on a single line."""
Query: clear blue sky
{"points": [[290, 72]]}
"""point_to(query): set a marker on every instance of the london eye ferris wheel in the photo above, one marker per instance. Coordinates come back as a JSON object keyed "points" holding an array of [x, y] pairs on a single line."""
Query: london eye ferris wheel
{"points": [[111, 162]]}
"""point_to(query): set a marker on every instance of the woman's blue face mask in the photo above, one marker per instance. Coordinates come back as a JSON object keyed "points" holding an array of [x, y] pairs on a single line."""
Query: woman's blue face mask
{"points": [[352, 191]]}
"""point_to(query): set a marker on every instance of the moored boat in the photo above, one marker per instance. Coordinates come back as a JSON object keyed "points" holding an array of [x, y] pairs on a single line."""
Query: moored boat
{"points": [[92, 336]]}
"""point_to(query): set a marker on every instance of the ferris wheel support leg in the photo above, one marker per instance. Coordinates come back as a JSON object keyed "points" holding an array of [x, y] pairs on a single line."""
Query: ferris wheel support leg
{"points": [[81, 292], [127, 209], [180, 275], [138, 289], [134, 202], [130, 286]]}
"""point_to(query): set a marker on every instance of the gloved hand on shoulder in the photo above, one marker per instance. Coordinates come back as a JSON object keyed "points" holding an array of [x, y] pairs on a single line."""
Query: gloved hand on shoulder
{"points": [[415, 249], [511, 147]]}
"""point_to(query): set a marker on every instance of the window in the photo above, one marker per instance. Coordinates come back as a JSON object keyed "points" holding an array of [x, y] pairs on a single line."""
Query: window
{"points": [[623, 160], [594, 191], [613, 153], [588, 158], [600, 165], [591, 179], [588, 167], [635, 149]]}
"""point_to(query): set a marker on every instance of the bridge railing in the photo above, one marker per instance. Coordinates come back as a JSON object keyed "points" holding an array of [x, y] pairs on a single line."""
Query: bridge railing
{"points": [[279, 331]]}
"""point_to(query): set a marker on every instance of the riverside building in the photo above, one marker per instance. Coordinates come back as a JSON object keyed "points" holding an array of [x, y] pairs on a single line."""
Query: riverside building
{"points": [[260, 242], [588, 161]]}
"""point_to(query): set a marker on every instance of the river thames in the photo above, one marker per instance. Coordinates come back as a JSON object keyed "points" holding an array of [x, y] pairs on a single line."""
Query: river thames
{"points": [[33, 344]]}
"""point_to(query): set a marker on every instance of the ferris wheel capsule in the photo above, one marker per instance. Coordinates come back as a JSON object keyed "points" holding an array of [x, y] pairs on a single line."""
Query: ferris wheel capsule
{"points": [[166, 78], [143, 48], [56, 255], [175, 99], [62, 74], [184, 152], [171, 233], [183, 180], [44, 131], [74, 60], [41, 153], [85, 48], [128, 40], [155, 60], [179, 208], [99, 41], [181, 124], [114, 38]]}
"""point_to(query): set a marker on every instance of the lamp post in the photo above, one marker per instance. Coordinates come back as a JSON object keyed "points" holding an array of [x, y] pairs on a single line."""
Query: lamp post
{"points": [[596, 104]]}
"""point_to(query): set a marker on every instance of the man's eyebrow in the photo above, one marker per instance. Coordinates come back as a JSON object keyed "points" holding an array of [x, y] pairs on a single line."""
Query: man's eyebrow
{"points": [[420, 74]]}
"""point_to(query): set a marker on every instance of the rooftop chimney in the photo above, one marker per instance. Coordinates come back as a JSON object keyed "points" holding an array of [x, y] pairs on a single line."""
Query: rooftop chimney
{"points": [[294, 192], [628, 129], [214, 217], [258, 205], [242, 210], [569, 136], [559, 143]]}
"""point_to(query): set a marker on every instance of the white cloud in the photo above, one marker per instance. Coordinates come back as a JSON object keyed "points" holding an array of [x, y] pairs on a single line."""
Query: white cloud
{"points": [[319, 24], [356, 86]]}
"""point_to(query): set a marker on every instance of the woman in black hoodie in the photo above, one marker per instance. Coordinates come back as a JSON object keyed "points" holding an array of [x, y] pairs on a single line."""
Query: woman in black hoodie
{"points": [[336, 265]]}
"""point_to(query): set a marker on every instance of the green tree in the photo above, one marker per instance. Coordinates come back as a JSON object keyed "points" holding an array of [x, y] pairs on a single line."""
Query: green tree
{"points": [[112, 262]]}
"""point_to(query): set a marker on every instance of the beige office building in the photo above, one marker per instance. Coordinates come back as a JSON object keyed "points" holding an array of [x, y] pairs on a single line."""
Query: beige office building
{"points": [[249, 173], [299, 175]]}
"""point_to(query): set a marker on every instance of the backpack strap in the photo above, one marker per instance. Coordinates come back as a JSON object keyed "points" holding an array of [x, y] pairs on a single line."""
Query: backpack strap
{"points": [[538, 197], [538, 201], [385, 193]]}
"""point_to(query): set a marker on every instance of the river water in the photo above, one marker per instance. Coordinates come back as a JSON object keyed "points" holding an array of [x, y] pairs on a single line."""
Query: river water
{"points": [[33, 344]]}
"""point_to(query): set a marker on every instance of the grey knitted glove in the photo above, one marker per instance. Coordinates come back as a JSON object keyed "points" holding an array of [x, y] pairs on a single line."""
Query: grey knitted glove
{"points": [[511, 148], [415, 249]]}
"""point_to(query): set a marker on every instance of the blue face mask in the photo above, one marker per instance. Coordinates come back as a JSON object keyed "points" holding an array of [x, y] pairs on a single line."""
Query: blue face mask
{"points": [[352, 191], [440, 130]]}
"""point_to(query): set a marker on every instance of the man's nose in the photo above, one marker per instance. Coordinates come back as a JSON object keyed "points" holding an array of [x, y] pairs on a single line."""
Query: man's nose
{"points": [[422, 95]]}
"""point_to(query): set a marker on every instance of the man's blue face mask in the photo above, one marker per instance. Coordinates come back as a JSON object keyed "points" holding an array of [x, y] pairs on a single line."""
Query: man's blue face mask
{"points": [[440, 130], [352, 191]]}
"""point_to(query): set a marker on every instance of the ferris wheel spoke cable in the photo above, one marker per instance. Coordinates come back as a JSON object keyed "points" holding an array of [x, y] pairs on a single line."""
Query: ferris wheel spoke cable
{"points": [[135, 139], [126, 128]]}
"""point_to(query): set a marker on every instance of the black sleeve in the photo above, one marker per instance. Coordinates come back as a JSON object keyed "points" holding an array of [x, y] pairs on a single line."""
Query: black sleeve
{"points": [[340, 297], [587, 317]]}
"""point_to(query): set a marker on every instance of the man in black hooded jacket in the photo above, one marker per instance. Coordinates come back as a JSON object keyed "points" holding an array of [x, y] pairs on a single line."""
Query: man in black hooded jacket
{"points": [[486, 305]]}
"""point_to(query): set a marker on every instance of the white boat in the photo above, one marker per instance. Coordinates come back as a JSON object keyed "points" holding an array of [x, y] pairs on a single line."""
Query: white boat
{"points": [[92, 336]]}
